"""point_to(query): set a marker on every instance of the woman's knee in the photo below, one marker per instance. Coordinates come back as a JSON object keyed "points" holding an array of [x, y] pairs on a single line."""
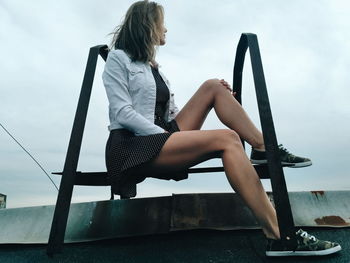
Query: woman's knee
{"points": [[229, 139], [213, 86], [210, 84]]}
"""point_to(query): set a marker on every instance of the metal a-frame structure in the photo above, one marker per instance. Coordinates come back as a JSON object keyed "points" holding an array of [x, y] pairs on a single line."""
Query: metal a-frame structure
{"points": [[273, 170]]}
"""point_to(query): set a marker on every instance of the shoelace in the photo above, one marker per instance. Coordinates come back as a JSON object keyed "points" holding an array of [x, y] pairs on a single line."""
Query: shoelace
{"points": [[280, 146], [307, 235], [284, 150]]}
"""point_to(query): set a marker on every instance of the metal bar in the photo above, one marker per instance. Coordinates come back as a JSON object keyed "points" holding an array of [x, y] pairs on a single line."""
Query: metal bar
{"points": [[100, 178], [238, 70], [238, 67], [103, 51], [280, 193], [60, 217]]}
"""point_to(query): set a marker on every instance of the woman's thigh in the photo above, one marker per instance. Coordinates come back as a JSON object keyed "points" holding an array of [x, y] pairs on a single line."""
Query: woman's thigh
{"points": [[194, 113], [185, 149]]}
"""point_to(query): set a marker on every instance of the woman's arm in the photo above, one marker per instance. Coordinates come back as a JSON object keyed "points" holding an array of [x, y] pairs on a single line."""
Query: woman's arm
{"points": [[122, 111]]}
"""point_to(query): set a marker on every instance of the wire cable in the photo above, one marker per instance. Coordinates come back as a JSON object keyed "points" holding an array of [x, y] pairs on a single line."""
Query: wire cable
{"points": [[29, 155]]}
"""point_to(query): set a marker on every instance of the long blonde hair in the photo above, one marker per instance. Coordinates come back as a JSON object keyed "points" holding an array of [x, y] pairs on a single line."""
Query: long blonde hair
{"points": [[139, 33]]}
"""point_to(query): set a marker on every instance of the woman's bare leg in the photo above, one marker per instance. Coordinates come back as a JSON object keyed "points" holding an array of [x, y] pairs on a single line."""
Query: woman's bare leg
{"points": [[190, 146], [239, 171], [212, 94], [187, 148]]}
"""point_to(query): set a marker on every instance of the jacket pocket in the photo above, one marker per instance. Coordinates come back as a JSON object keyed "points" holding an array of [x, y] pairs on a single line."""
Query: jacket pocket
{"points": [[136, 77]]}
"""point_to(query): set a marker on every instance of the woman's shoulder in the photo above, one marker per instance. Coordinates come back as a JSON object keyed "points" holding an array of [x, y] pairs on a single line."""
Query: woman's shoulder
{"points": [[119, 54], [122, 59]]}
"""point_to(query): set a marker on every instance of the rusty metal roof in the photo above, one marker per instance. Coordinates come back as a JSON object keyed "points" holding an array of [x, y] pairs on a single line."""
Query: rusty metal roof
{"points": [[144, 216], [177, 228]]}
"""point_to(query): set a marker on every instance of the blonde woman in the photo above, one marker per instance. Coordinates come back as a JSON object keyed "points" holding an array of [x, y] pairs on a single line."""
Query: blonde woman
{"points": [[150, 135]]}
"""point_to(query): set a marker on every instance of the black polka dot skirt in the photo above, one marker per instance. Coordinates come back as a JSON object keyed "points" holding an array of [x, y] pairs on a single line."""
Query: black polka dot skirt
{"points": [[125, 151]]}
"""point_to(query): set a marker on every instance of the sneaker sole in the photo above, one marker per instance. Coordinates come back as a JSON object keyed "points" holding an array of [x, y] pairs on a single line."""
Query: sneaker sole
{"points": [[303, 253], [291, 165]]}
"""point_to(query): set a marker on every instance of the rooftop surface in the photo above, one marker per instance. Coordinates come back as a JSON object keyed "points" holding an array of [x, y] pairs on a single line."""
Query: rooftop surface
{"points": [[201, 227], [181, 246]]}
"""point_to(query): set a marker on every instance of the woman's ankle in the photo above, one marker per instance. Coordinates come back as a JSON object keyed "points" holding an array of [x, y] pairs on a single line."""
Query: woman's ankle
{"points": [[270, 235]]}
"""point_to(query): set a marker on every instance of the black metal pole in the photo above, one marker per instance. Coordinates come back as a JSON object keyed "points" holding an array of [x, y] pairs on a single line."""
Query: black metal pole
{"points": [[60, 217], [279, 188], [238, 71], [280, 193], [238, 67]]}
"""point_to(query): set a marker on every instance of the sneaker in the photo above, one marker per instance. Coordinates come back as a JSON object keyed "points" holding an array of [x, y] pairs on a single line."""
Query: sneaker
{"points": [[307, 245], [259, 157]]}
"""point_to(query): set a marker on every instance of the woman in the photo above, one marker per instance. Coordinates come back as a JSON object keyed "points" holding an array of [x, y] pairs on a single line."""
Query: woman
{"points": [[148, 133]]}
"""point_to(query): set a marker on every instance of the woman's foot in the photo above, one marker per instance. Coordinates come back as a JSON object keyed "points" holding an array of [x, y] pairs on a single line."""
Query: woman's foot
{"points": [[307, 245], [259, 157]]}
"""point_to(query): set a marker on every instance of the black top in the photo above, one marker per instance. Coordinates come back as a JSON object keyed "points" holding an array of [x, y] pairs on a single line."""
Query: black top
{"points": [[162, 88], [162, 99]]}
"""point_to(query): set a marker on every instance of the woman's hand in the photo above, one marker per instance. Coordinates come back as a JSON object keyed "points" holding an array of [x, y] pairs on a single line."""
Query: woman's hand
{"points": [[227, 86]]}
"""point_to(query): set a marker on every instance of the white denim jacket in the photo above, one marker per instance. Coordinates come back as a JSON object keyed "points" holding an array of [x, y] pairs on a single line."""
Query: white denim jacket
{"points": [[131, 91]]}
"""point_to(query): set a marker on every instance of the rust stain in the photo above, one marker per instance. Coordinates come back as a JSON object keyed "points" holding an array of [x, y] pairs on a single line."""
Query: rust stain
{"points": [[317, 193], [331, 220]]}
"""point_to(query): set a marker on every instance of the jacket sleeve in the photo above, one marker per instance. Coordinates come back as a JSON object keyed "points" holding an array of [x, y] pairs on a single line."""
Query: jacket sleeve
{"points": [[120, 103], [176, 110]]}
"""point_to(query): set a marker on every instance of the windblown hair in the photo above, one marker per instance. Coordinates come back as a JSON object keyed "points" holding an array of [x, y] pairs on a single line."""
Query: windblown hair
{"points": [[139, 33]]}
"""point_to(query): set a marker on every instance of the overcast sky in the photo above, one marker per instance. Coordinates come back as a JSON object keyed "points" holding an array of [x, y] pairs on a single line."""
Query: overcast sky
{"points": [[44, 46]]}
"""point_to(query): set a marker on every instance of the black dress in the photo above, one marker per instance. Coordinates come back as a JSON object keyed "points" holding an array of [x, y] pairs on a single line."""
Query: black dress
{"points": [[125, 151]]}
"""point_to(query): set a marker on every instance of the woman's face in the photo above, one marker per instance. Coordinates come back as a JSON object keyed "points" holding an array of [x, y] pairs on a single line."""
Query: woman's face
{"points": [[162, 32]]}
